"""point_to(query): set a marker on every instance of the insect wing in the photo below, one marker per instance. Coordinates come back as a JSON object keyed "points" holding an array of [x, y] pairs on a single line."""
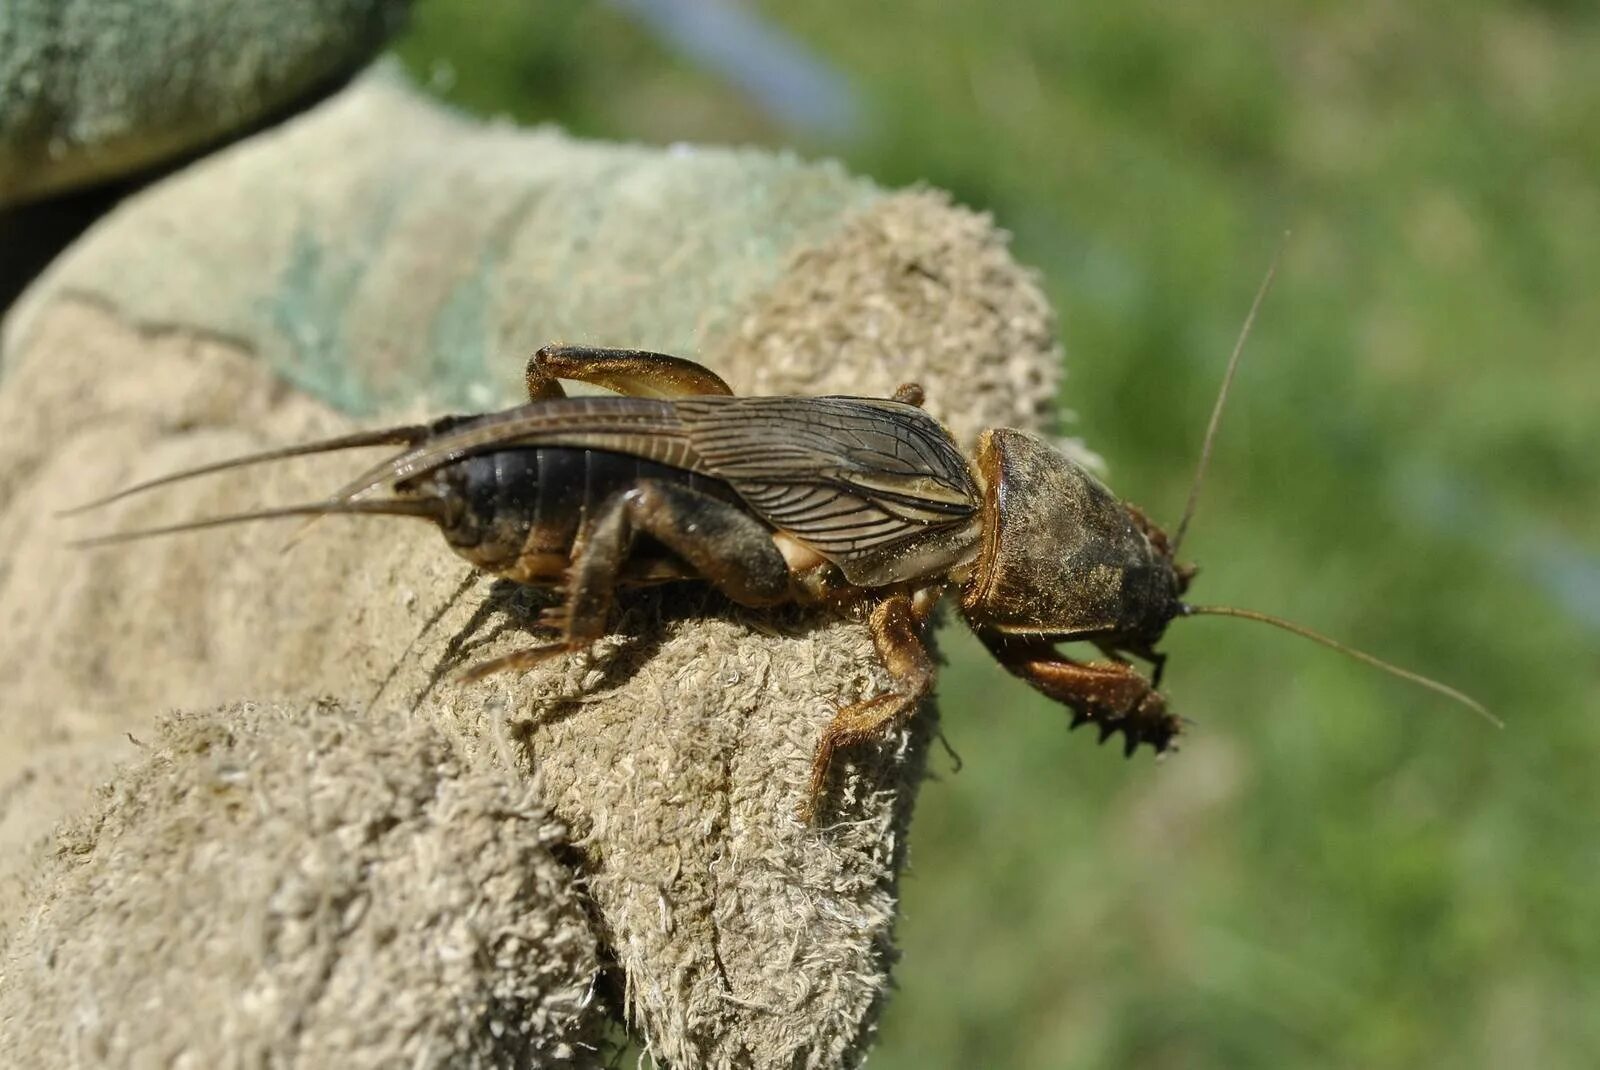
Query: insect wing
{"points": [[848, 476], [854, 478]]}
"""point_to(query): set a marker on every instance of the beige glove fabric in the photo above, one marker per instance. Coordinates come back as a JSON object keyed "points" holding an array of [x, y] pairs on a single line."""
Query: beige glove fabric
{"points": [[339, 854], [92, 90]]}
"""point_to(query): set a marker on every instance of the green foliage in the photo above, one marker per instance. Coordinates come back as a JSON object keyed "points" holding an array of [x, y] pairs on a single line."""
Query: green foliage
{"points": [[1338, 870]]}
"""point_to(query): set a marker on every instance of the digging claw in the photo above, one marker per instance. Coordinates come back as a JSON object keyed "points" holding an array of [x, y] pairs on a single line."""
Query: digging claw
{"points": [[1148, 723]]}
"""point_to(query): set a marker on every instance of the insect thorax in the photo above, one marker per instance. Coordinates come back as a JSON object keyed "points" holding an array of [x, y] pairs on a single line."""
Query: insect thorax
{"points": [[1062, 556]]}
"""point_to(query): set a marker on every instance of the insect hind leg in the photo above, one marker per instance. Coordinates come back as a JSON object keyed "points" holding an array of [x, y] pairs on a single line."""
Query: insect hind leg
{"points": [[632, 372], [726, 546], [730, 549], [516, 661]]}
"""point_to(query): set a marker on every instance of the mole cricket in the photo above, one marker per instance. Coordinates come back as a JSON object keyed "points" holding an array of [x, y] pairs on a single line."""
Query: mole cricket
{"points": [[860, 504]]}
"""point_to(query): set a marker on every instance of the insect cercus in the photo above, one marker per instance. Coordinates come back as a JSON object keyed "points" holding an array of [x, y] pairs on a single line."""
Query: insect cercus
{"points": [[852, 502]]}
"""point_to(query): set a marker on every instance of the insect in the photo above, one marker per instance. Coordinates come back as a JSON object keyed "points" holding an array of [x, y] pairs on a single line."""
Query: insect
{"points": [[849, 502]]}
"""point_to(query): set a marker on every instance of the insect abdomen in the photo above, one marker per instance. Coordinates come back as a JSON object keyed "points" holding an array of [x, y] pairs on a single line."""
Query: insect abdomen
{"points": [[522, 509]]}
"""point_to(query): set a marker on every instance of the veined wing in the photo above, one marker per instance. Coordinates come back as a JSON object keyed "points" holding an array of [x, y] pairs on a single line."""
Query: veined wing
{"points": [[851, 477], [848, 476]]}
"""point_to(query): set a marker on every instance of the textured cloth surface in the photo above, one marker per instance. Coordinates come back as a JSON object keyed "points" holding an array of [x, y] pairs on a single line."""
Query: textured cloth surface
{"points": [[394, 907], [95, 89], [410, 253], [675, 753]]}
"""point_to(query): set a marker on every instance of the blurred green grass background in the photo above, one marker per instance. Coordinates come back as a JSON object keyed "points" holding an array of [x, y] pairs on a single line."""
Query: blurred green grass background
{"points": [[1337, 870]]}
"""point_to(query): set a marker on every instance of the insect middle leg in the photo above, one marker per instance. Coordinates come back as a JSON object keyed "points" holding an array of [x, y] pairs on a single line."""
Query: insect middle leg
{"points": [[896, 628], [732, 550], [910, 394], [634, 372], [1110, 694]]}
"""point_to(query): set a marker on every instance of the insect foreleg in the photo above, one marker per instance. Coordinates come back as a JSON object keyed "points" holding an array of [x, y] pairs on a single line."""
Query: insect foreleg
{"points": [[633, 372], [898, 637], [1110, 694]]}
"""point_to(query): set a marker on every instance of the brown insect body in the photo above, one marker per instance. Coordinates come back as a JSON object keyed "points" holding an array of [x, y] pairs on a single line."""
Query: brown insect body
{"points": [[875, 487], [816, 500], [877, 490], [517, 513]]}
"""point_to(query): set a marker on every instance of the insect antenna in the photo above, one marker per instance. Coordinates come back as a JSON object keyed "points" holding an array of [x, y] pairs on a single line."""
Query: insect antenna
{"points": [[1222, 396], [425, 508], [1359, 655], [390, 436]]}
